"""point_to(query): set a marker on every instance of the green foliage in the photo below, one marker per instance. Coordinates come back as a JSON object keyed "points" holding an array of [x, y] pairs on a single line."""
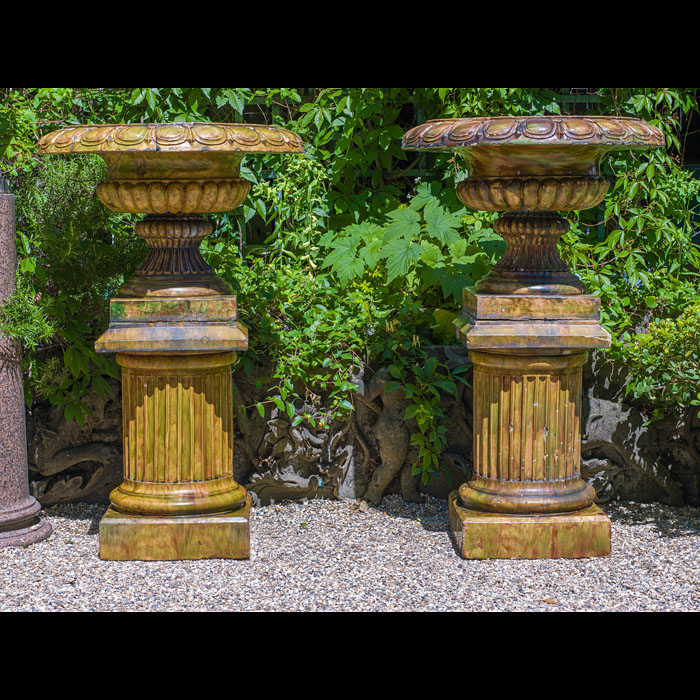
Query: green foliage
{"points": [[665, 363], [293, 206], [319, 334], [434, 243], [640, 258], [23, 319], [68, 272], [425, 380]]}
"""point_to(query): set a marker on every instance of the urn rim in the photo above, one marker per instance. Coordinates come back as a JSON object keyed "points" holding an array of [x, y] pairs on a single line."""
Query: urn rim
{"points": [[606, 132], [180, 137]]}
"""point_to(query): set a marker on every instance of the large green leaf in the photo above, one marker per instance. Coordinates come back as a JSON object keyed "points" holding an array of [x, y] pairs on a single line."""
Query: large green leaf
{"points": [[400, 255], [442, 225], [405, 223]]}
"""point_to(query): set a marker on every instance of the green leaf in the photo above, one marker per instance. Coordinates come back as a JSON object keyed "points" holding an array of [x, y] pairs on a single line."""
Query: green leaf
{"points": [[427, 193], [400, 255], [412, 412], [442, 225], [444, 328], [405, 223], [371, 254], [431, 367], [431, 255]]}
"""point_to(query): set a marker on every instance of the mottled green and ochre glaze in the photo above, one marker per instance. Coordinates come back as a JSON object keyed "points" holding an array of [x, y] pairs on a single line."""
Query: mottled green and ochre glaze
{"points": [[131, 538], [527, 435], [175, 331], [582, 535], [178, 436]]}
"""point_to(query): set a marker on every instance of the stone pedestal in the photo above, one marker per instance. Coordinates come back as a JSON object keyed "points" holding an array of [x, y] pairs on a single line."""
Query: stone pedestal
{"points": [[175, 331], [529, 326], [20, 524], [527, 499]]}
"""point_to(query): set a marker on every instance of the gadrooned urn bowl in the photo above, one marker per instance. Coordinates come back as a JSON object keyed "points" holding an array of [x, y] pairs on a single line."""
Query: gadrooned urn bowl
{"points": [[534, 163], [175, 174], [190, 168], [531, 169]]}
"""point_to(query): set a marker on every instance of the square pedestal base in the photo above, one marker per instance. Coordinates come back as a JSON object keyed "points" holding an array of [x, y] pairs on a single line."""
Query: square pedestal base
{"points": [[583, 535], [132, 538]]}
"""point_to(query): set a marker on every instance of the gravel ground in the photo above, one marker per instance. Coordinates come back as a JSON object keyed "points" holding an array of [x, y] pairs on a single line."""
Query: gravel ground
{"points": [[325, 556]]}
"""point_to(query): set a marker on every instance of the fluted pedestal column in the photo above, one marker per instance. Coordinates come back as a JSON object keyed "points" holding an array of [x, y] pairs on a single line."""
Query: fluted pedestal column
{"points": [[529, 326], [20, 524], [179, 497], [175, 331], [527, 498]]}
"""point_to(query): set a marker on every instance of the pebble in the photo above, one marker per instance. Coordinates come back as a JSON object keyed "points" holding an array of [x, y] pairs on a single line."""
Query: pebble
{"points": [[328, 556]]}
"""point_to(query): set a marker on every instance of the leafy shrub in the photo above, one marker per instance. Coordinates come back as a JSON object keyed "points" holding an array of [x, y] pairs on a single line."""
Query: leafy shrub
{"points": [[74, 256], [665, 363]]}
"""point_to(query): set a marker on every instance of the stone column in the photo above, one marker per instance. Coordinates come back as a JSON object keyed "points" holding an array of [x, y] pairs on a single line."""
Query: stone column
{"points": [[20, 524]]}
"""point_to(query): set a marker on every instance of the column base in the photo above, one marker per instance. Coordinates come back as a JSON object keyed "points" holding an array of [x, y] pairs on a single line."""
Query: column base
{"points": [[38, 530], [134, 538], [583, 535]]}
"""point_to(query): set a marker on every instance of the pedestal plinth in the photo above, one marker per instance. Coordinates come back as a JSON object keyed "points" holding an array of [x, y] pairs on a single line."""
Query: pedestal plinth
{"points": [[138, 538], [581, 535], [175, 330], [529, 326], [20, 524], [527, 499]]}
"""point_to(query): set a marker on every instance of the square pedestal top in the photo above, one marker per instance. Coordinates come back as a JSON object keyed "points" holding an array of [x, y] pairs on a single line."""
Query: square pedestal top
{"points": [[518, 323]]}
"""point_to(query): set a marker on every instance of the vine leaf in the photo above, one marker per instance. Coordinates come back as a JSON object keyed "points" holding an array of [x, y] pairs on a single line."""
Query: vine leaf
{"points": [[405, 223], [442, 225], [400, 254]]}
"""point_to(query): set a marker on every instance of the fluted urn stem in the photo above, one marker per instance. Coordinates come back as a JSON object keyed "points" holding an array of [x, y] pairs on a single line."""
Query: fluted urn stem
{"points": [[532, 263], [175, 265]]}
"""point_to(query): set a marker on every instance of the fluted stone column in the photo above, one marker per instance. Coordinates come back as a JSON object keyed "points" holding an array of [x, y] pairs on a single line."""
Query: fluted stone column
{"points": [[20, 524]]}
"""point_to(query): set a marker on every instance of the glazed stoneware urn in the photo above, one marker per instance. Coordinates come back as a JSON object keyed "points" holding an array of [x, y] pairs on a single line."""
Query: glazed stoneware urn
{"points": [[175, 331], [20, 522], [529, 326]]}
